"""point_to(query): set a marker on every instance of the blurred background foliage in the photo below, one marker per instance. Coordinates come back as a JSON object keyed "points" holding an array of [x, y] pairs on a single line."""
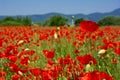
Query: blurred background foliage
{"points": [[56, 20]]}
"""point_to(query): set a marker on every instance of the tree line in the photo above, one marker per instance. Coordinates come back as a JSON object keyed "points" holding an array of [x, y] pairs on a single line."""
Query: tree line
{"points": [[56, 21], [18, 21]]}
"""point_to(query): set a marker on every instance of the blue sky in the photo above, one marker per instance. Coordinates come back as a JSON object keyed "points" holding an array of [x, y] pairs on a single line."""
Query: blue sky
{"points": [[28, 7]]}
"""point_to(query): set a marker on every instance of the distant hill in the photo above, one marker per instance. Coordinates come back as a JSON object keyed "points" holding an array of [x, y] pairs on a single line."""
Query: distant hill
{"points": [[94, 16]]}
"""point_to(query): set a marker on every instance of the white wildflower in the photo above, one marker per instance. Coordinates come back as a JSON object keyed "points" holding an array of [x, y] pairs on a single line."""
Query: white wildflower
{"points": [[102, 51], [20, 42]]}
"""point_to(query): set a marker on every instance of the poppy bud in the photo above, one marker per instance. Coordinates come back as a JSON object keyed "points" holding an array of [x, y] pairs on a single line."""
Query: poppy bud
{"points": [[101, 52], [88, 68], [20, 42], [27, 49], [55, 36], [20, 73]]}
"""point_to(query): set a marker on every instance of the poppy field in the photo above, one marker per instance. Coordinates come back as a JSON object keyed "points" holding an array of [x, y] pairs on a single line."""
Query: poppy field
{"points": [[60, 53]]}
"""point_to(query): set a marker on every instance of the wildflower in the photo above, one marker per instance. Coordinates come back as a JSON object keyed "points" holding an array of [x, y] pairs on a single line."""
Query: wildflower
{"points": [[27, 49], [86, 59], [2, 55], [48, 54], [117, 51], [88, 26], [88, 68], [12, 58], [76, 51], [50, 62], [20, 42], [20, 73], [55, 35], [114, 60], [14, 67], [16, 77], [2, 73], [24, 61], [58, 28], [35, 71], [101, 52], [95, 75]]}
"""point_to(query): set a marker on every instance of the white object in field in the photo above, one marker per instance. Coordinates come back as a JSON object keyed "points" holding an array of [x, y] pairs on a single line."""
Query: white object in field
{"points": [[20, 42], [88, 68], [27, 49], [20, 73], [102, 51], [55, 35]]}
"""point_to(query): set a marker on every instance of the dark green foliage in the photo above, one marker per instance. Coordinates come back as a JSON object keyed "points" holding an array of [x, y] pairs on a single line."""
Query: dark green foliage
{"points": [[27, 21], [11, 23], [56, 21], [109, 20], [77, 21], [0, 21], [18, 21], [9, 18]]}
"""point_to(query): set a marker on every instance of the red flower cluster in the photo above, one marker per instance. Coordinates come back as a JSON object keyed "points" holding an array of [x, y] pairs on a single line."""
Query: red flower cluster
{"points": [[24, 61], [36, 71], [19, 62], [49, 54], [87, 59], [95, 75], [2, 75], [117, 51], [88, 26]]}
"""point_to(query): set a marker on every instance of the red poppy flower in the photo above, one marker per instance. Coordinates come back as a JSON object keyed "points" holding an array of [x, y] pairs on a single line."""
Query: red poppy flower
{"points": [[2, 73], [88, 26], [85, 76], [76, 51], [117, 51], [86, 59], [50, 62], [95, 75], [16, 77], [36, 71], [48, 54], [2, 55], [105, 76], [14, 67], [30, 52], [24, 61], [12, 58], [10, 50], [47, 75], [67, 60], [114, 60], [61, 60], [80, 66], [1, 42]]}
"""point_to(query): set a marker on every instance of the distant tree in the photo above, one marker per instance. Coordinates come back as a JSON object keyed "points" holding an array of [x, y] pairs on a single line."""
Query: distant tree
{"points": [[19, 19], [0, 21], [27, 21], [46, 22], [56, 21], [109, 20], [77, 21], [11, 23], [9, 18]]}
